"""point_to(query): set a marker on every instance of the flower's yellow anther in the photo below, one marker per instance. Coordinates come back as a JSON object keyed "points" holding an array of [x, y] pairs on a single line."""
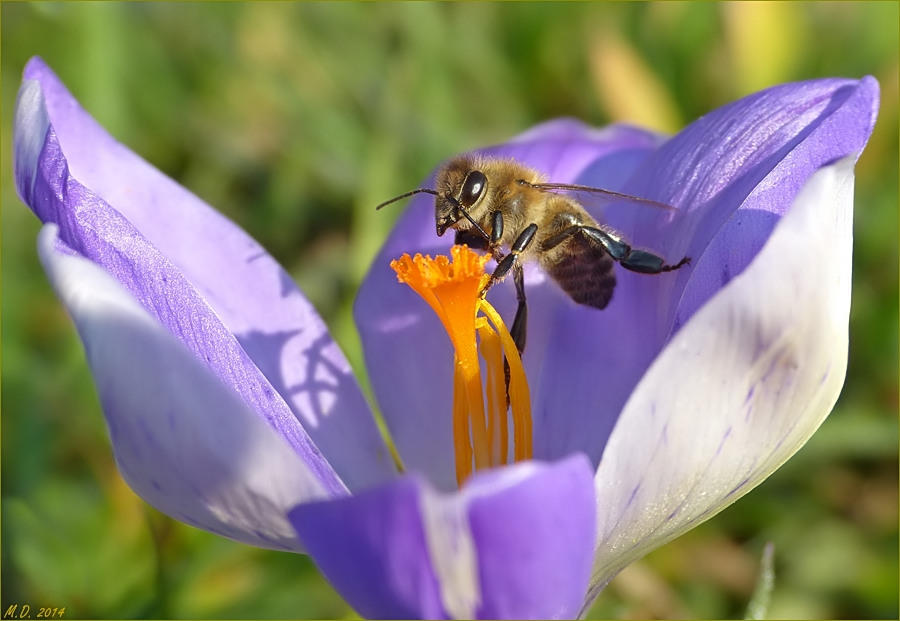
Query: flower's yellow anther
{"points": [[492, 352], [519, 397], [454, 290], [463, 448]]}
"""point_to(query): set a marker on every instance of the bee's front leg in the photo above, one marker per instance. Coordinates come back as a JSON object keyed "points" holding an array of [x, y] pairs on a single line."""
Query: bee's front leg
{"points": [[491, 243]]}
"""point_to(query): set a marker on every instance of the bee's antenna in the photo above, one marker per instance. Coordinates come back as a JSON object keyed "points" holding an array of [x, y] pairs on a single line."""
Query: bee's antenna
{"points": [[407, 195], [459, 207], [474, 224]]}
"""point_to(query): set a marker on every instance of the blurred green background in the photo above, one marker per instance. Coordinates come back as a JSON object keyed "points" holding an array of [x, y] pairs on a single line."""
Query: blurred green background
{"points": [[295, 120]]}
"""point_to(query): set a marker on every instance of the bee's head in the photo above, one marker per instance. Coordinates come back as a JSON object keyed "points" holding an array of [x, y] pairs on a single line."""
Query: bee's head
{"points": [[460, 186]]}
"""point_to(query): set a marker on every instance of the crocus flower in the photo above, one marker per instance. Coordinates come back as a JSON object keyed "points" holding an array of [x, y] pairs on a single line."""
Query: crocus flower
{"points": [[230, 407]]}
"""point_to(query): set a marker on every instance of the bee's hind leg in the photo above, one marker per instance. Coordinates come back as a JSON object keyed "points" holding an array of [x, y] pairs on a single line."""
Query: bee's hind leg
{"points": [[632, 259], [644, 262]]}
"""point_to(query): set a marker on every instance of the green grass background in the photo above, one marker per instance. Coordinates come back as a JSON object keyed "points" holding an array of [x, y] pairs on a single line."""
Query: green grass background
{"points": [[295, 120]]}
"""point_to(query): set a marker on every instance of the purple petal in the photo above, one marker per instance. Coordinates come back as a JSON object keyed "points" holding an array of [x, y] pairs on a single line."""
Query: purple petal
{"points": [[738, 169], [740, 388], [182, 439], [201, 276], [513, 543], [407, 352]]}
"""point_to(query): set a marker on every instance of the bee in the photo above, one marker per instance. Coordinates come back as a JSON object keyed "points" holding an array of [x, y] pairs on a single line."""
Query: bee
{"points": [[495, 204]]}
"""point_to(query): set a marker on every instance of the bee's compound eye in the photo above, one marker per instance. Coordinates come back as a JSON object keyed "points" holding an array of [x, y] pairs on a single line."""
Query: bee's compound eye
{"points": [[472, 188]]}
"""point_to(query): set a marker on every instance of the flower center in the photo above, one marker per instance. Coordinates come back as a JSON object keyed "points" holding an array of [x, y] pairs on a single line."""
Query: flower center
{"points": [[454, 290]]}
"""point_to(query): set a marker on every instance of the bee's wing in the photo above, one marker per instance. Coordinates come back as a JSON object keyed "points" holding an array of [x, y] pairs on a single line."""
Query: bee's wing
{"points": [[586, 195]]}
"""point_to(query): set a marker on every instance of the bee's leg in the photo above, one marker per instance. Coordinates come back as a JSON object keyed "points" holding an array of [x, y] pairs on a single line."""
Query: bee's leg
{"points": [[490, 243], [518, 332], [518, 246], [630, 258], [496, 228], [511, 262], [520, 324], [644, 262]]}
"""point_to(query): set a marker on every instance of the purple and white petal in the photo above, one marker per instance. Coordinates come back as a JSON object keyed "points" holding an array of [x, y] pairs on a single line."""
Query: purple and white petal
{"points": [[93, 229], [182, 439], [735, 171], [729, 167], [509, 545], [739, 389], [401, 334], [200, 275]]}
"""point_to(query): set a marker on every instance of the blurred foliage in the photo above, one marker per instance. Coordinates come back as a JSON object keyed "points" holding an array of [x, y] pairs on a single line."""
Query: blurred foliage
{"points": [[295, 120]]}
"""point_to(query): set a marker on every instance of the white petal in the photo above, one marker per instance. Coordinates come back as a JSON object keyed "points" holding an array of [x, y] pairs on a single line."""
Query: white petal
{"points": [[739, 389], [182, 440]]}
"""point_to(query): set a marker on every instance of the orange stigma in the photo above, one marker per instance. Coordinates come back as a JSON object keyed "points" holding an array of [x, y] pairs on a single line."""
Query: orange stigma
{"points": [[454, 290]]}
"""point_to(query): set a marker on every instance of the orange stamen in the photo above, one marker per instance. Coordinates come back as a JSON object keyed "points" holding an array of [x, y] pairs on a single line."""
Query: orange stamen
{"points": [[454, 291]]}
